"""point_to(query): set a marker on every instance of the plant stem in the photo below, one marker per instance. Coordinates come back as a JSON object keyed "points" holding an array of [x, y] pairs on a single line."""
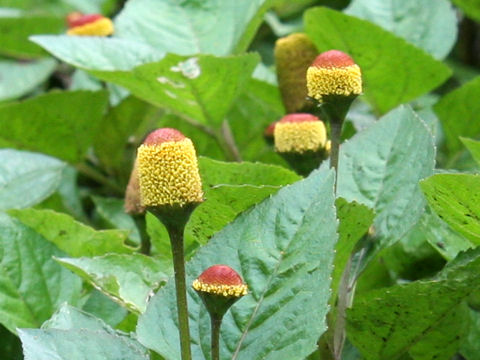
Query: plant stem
{"points": [[216, 322], [344, 293], [96, 175], [336, 131], [145, 245], [227, 142], [176, 241]]}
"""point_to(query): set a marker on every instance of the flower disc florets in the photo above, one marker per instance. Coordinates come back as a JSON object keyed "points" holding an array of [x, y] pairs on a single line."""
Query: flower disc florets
{"points": [[221, 280], [89, 25]]}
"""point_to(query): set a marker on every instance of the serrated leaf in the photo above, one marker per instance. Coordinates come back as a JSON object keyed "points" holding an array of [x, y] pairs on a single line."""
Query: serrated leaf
{"points": [[394, 72], [381, 167], [287, 271], [27, 178], [386, 323], [194, 87], [455, 198], [458, 112], [57, 130], [430, 25], [187, 28], [97, 53], [71, 236], [128, 279], [473, 147], [18, 79], [32, 284]]}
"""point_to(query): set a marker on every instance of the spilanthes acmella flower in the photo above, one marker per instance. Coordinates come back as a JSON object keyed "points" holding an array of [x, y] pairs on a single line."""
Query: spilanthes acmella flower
{"points": [[293, 55], [333, 73], [89, 25], [221, 280], [299, 133], [168, 170]]}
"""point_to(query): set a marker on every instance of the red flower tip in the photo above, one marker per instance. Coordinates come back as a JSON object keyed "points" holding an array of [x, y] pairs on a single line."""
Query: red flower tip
{"points": [[333, 59], [298, 118], [163, 135], [220, 275], [78, 19], [269, 129]]}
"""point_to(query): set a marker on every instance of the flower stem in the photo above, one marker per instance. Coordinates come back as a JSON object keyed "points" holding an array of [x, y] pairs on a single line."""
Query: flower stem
{"points": [[336, 131], [226, 141], [216, 322], [145, 245]]}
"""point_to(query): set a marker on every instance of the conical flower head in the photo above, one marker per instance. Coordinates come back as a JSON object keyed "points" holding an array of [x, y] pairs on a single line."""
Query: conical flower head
{"points": [[89, 25], [299, 133], [333, 73], [221, 280], [168, 170]]}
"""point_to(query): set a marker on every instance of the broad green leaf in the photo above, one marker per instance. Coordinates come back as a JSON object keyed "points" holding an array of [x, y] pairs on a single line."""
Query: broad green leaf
{"points": [[381, 167], [430, 25], [394, 72], [71, 236], [27, 178], [201, 88], [75, 335], [65, 123], [128, 279], [458, 112], [420, 317], [471, 347], [105, 308], [286, 268], [81, 80], [15, 31], [456, 200], [473, 147], [97, 53], [470, 7], [191, 27], [32, 284], [18, 79]]}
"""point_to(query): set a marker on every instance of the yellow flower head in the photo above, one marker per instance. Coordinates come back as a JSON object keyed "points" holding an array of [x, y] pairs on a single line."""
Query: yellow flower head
{"points": [[298, 133], [333, 73], [89, 25], [168, 170], [221, 280], [293, 55]]}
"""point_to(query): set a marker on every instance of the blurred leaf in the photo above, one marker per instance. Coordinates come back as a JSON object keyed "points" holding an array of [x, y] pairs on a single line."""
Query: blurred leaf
{"points": [[194, 87], [470, 348], [458, 112], [81, 80], [430, 25], [473, 147], [18, 79], [128, 279], [10, 345], [65, 123], [60, 7], [101, 306], [192, 27], [32, 284], [394, 71], [381, 167], [456, 200], [75, 335], [97, 53], [27, 178], [15, 31], [71, 236], [286, 268], [470, 7]]}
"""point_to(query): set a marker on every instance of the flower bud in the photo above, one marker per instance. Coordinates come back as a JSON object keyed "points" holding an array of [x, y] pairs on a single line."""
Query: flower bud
{"points": [[333, 73], [168, 170], [133, 204], [299, 133], [89, 25], [293, 56]]}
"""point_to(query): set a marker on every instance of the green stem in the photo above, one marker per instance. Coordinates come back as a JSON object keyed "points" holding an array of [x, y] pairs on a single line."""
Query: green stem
{"points": [[216, 323], [145, 245], [176, 241], [226, 141], [344, 300], [336, 131], [96, 175]]}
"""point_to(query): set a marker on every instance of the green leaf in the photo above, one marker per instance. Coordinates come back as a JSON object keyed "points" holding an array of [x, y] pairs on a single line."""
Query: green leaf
{"points": [[32, 284], [470, 7], [471, 347], [192, 27], [75, 335], [71, 236], [97, 53], [27, 178], [15, 31], [456, 199], [128, 279], [105, 308], [287, 271], [394, 72], [458, 111], [65, 123], [386, 323], [18, 79], [381, 167], [193, 87], [473, 147], [430, 25]]}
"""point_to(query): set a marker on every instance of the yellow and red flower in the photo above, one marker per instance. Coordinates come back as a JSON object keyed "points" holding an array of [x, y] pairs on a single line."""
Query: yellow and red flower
{"points": [[89, 25], [221, 280]]}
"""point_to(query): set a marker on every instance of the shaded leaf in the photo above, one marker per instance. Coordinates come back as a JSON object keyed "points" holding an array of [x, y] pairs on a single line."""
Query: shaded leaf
{"points": [[473, 147], [470, 7]]}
